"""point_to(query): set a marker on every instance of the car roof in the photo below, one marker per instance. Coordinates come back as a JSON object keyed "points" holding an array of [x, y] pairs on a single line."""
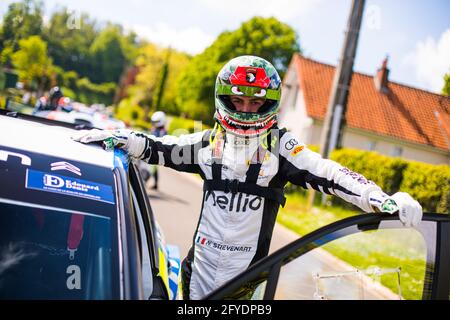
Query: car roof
{"points": [[40, 137]]}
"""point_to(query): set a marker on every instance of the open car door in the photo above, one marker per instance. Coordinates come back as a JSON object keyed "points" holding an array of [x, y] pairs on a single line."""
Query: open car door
{"points": [[365, 257]]}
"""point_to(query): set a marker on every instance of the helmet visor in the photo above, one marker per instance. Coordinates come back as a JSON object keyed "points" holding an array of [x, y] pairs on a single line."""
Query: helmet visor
{"points": [[225, 89]]}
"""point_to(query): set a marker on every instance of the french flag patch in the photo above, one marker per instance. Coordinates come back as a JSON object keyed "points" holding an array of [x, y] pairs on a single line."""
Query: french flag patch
{"points": [[201, 240]]}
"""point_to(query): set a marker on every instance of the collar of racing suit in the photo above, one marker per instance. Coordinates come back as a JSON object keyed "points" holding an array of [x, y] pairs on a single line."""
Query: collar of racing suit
{"points": [[236, 142], [244, 157], [236, 151]]}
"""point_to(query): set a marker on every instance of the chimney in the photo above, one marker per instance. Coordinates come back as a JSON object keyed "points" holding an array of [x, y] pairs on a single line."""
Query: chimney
{"points": [[381, 78]]}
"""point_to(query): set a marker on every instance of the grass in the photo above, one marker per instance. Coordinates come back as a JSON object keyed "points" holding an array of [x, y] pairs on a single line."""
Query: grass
{"points": [[295, 215], [382, 248]]}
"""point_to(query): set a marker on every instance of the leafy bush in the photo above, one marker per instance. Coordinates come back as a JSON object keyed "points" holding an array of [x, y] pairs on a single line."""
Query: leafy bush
{"points": [[89, 92], [428, 184], [130, 113], [387, 172], [314, 147]]}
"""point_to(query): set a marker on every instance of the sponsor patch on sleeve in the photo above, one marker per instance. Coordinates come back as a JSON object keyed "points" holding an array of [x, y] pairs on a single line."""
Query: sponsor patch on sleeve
{"points": [[43, 181], [297, 150]]}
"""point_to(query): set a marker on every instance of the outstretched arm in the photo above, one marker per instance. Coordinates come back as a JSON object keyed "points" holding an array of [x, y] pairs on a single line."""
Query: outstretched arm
{"points": [[308, 169], [179, 153]]}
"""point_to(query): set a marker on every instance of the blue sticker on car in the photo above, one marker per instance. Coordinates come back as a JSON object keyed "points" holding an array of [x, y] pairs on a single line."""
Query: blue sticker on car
{"points": [[121, 159], [44, 181]]}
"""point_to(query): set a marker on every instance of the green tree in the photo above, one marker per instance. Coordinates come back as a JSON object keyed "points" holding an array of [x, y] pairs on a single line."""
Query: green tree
{"points": [[446, 88], [130, 46], [159, 92], [178, 62], [22, 20], [69, 36], [264, 37], [156, 82], [33, 63], [111, 52], [95, 57], [6, 55]]}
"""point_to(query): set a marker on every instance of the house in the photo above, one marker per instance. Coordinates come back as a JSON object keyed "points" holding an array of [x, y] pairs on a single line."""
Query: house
{"points": [[383, 116]]}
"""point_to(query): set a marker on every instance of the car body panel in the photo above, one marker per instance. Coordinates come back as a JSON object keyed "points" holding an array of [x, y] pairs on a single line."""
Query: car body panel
{"points": [[51, 140], [173, 256]]}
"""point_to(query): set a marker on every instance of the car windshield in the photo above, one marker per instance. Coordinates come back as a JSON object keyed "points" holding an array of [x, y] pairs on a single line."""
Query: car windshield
{"points": [[58, 228], [46, 253]]}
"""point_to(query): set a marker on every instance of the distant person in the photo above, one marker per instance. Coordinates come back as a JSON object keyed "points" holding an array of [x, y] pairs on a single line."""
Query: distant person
{"points": [[26, 98], [65, 104], [50, 102], [158, 130], [245, 162]]}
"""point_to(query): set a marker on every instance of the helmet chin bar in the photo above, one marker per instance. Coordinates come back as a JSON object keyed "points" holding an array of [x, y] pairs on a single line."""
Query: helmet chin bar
{"points": [[244, 130]]}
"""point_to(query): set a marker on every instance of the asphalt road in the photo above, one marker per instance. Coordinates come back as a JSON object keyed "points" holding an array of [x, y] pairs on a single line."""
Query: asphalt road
{"points": [[176, 205]]}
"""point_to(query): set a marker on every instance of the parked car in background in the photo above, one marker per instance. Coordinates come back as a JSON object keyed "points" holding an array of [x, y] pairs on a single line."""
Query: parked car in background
{"points": [[75, 113]]}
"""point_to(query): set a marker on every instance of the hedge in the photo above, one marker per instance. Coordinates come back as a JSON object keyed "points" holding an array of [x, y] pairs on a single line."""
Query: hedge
{"points": [[427, 183], [387, 172]]}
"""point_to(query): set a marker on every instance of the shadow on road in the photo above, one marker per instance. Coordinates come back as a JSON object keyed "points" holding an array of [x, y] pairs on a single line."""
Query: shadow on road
{"points": [[160, 195]]}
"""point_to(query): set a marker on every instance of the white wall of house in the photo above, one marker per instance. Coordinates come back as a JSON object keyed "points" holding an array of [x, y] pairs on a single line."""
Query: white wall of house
{"points": [[393, 148], [293, 109], [357, 139], [310, 135]]}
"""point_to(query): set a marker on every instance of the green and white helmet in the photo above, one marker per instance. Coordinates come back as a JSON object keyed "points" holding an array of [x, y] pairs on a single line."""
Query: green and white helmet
{"points": [[249, 76]]}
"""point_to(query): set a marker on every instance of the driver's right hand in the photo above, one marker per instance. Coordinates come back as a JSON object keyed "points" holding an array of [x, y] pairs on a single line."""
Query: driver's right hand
{"points": [[122, 138]]}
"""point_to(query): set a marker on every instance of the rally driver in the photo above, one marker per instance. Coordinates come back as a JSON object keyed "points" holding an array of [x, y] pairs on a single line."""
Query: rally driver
{"points": [[245, 162]]}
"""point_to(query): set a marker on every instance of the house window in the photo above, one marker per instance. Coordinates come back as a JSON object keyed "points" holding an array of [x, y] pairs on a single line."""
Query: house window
{"points": [[371, 145], [397, 151]]}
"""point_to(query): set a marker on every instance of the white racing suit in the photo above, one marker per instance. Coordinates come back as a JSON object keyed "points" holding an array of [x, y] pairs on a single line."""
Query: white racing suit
{"points": [[243, 189]]}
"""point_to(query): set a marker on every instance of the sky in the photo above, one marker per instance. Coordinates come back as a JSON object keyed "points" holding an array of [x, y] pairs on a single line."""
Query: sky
{"points": [[414, 34]]}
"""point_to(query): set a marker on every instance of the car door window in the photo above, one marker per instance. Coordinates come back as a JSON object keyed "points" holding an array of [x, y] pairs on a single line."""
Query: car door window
{"points": [[148, 228], [370, 256], [378, 264], [147, 278], [146, 213]]}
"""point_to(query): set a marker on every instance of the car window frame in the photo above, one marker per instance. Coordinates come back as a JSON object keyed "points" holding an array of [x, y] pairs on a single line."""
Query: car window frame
{"points": [[144, 251], [147, 215], [438, 290], [131, 284], [150, 225]]}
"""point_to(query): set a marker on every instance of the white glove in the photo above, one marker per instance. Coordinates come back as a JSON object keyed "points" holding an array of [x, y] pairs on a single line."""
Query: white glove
{"points": [[125, 139], [409, 210]]}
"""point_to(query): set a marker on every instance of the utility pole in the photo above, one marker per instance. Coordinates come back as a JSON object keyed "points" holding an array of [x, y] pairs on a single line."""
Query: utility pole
{"points": [[331, 137]]}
